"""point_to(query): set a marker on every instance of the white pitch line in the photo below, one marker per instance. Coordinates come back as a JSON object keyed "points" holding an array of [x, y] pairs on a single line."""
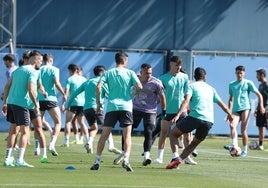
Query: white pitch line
{"points": [[209, 151], [218, 153], [80, 185]]}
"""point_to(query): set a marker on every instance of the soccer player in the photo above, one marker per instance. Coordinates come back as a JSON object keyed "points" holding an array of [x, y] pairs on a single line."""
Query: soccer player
{"points": [[76, 109], [239, 103], [21, 106], [201, 98], [119, 107], [93, 118], [261, 119], [50, 79], [145, 104], [175, 83], [9, 61]]}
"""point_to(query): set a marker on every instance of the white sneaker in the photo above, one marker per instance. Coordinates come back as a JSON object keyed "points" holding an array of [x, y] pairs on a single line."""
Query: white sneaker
{"points": [[119, 159], [261, 148], [158, 161], [52, 150], [115, 150], [23, 164], [190, 161], [89, 148], [9, 162]]}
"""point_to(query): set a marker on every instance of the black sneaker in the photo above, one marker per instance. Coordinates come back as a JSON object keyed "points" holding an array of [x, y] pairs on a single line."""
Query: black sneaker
{"points": [[127, 166], [228, 147], [195, 153], [146, 162], [95, 166]]}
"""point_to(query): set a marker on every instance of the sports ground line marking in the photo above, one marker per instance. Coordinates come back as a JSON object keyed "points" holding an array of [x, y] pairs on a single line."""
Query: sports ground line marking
{"points": [[210, 152], [78, 185]]}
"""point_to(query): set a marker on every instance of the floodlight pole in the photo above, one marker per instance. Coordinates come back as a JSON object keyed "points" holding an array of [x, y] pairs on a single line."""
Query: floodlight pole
{"points": [[8, 23]]}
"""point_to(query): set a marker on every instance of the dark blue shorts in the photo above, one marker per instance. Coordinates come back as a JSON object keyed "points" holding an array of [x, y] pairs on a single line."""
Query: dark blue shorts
{"points": [[77, 110], [189, 124], [261, 119], [125, 118], [47, 105], [169, 117], [148, 118], [92, 117], [18, 115]]}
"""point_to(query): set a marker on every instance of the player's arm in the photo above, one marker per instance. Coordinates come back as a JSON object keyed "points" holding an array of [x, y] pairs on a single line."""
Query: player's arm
{"points": [[230, 102], [163, 103], [60, 89], [5, 94], [138, 86], [41, 89], [74, 94], [32, 94], [226, 110], [66, 91], [98, 93], [260, 98], [183, 106]]}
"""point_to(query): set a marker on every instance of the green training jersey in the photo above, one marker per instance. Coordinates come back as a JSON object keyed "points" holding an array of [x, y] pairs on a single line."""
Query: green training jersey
{"points": [[89, 87], [49, 74], [240, 90], [203, 97], [18, 93], [119, 82], [175, 90], [73, 83]]}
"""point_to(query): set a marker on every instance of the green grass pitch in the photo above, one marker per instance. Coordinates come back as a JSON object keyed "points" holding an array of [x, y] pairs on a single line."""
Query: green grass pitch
{"points": [[216, 168]]}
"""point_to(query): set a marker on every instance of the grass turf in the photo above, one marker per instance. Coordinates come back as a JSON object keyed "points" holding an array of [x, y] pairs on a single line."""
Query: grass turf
{"points": [[216, 168]]}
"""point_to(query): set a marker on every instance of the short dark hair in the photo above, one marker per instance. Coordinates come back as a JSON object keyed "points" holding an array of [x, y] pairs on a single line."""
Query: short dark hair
{"points": [[146, 66], [120, 56], [98, 69], [35, 53], [26, 54], [73, 67], [199, 73], [261, 71], [9, 57], [176, 59], [46, 57], [21, 62], [240, 68]]}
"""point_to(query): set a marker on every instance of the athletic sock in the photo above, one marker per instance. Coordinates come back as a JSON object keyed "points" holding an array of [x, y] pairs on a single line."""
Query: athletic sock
{"points": [[43, 152], [98, 159], [21, 155], [160, 154], [53, 140], [36, 144], [126, 157], [66, 139], [90, 140], [234, 141], [175, 155], [8, 152], [110, 141], [245, 149]]}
